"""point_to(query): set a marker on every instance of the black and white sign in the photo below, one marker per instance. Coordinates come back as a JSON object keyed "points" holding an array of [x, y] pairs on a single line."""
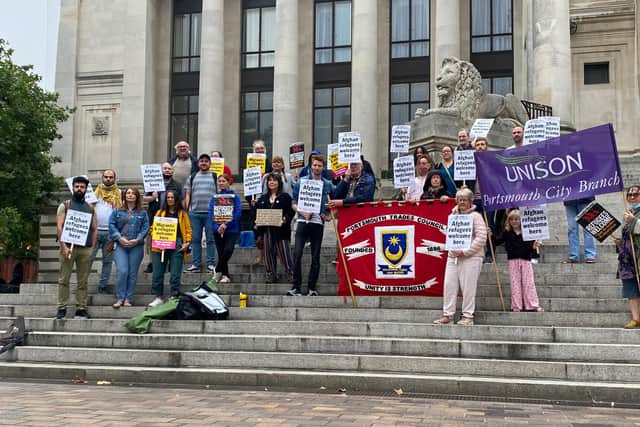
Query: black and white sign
{"points": [[152, 177], [400, 136], [480, 128], [464, 165], [76, 227], [534, 223], [349, 147], [404, 172], [534, 131], [252, 181], [459, 232], [310, 195], [551, 127]]}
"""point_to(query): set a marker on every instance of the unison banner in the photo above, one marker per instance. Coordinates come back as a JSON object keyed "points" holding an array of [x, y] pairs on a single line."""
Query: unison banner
{"points": [[394, 248], [573, 166]]}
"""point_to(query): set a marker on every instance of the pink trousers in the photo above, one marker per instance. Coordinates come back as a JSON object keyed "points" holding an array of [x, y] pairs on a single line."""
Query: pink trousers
{"points": [[523, 287], [462, 276]]}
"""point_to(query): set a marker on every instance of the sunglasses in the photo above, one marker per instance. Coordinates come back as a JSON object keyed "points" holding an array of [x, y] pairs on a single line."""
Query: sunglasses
{"points": [[631, 195]]}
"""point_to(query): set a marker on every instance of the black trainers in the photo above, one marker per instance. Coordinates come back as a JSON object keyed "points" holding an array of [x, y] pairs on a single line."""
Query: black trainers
{"points": [[61, 313], [294, 292], [81, 313]]}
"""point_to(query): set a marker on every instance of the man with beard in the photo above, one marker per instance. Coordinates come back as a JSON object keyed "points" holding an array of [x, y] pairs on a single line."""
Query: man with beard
{"points": [[109, 197], [155, 199], [80, 255]]}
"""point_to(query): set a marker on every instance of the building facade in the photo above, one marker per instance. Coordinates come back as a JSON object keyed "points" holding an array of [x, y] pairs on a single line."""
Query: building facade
{"points": [[145, 74]]}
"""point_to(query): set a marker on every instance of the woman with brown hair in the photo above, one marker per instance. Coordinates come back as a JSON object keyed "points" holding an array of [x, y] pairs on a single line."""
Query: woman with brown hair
{"points": [[128, 227]]}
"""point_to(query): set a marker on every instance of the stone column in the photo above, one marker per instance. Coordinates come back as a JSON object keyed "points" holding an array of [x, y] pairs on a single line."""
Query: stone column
{"points": [[285, 78], [446, 40], [364, 81], [552, 84], [211, 101]]}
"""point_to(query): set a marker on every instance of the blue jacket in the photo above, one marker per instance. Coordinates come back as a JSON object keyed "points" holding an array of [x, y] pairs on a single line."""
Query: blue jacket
{"points": [[137, 227], [364, 191], [233, 226], [327, 190]]}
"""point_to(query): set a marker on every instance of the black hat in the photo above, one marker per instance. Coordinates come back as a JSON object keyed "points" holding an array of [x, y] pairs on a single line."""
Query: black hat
{"points": [[432, 173], [204, 156], [80, 178]]}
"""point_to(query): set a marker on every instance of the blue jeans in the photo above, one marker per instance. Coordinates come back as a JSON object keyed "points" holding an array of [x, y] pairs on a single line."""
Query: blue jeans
{"points": [[313, 233], [574, 236], [127, 264], [198, 222], [107, 258], [174, 259]]}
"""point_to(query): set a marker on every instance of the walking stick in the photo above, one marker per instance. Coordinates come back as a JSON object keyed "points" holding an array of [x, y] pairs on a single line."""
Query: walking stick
{"points": [[495, 265], [633, 249], [342, 258]]}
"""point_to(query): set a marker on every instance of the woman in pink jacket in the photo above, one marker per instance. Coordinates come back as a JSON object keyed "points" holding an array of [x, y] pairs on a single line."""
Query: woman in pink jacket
{"points": [[463, 267]]}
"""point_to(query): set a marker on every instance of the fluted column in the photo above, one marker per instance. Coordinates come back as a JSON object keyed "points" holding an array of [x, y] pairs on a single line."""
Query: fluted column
{"points": [[211, 95], [446, 37], [285, 77], [364, 81]]}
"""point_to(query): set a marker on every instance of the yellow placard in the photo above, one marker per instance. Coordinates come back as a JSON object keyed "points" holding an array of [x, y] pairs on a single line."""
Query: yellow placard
{"points": [[257, 159], [217, 165], [338, 168], [164, 232]]}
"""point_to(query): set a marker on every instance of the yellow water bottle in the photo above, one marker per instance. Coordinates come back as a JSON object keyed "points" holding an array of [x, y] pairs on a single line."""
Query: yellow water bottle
{"points": [[243, 300]]}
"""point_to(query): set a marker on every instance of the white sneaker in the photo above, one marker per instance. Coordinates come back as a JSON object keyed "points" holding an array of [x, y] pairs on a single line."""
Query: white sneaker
{"points": [[156, 302], [224, 279]]}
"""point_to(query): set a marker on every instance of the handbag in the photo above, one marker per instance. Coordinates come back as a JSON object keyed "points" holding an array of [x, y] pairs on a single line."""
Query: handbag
{"points": [[110, 246]]}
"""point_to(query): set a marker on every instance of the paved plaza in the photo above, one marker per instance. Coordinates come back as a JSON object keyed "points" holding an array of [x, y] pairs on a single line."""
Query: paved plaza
{"points": [[37, 404]]}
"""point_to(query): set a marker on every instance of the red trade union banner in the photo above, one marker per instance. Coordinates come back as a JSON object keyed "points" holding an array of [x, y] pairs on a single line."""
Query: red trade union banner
{"points": [[394, 248]]}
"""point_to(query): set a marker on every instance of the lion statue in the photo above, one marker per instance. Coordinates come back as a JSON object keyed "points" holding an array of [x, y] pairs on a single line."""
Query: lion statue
{"points": [[459, 89]]}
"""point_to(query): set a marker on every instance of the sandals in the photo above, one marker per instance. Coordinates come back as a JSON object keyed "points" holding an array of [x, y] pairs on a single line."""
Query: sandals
{"points": [[117, 304], [589, 261], [127, 304], [443, 320], [571, 261]]}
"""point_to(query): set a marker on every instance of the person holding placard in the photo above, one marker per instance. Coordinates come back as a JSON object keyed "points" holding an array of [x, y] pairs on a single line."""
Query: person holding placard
{"points": [[358, 185], [629, 254], [423, 167], [572, 208], [516, 134], [77, 253], [434, 187], [288, 181], [215, 154], [226, 232], [128, 227], [171, 208], [447, 169], [259, 148], [464, 266], [276, 238], [523, 288], [463, 140]]}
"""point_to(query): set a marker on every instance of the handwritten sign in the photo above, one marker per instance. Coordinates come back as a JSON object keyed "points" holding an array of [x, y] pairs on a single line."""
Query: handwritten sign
{"points": [[480, 128], [89, 196], [269, 217], [459, 232], [338, 168], [464, 165], [404, 172], [164, 232], [152, 177], [349, 147], [400, 136], [310, 195], [296, 155], [217, 165], [223, 205], [251, 178], [76, 227], [257, 159], [534, 223]]}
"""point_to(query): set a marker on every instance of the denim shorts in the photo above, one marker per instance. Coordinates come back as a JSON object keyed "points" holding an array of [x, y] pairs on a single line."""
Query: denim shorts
{"points": [[630, 288]]}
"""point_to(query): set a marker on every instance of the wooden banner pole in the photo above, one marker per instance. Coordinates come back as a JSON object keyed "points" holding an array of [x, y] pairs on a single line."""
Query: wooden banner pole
{"points": [[342, 258], [495, 265]]}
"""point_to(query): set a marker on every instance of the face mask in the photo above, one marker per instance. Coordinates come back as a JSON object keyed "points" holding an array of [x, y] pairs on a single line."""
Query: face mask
{"points": [[636, 206], [78, 196]]}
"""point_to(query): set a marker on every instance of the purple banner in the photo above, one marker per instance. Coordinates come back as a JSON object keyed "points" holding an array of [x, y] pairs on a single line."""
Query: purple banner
{"points": [[573, 166]]}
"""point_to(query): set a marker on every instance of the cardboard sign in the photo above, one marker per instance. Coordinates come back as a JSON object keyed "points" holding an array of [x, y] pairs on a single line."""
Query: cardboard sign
{"points": [[251, 181], [296, 155], [217, 165], [404, 172], [257, 159], [459, 232], [464, 165], [534, 223], [89, 196], [269, 217], [597, 221], [76, 227], [400, 136], [164, 232], [310, 195], [223, 205], [152, 177], [338, 168], [349, 147], [480, 128]]}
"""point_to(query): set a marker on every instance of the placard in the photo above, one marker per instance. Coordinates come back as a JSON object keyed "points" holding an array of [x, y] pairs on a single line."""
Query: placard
{"points": [[534, 131], [597, 221], [89, 196], [223, 205], [164, 232], [296, 155], [338, 168], [404, 172], [217, 166], [310, 195], [534, 223], [349, 147], [152, 177], [251, 181], [551, 126], [459, 232], [257, 159], [76, 227], [269, 217], [480, 128], [400, 136], [464, 165]]}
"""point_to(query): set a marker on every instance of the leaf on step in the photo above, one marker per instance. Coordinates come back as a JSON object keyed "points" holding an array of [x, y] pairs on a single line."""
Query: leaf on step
{"points": [[103, 382]]}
